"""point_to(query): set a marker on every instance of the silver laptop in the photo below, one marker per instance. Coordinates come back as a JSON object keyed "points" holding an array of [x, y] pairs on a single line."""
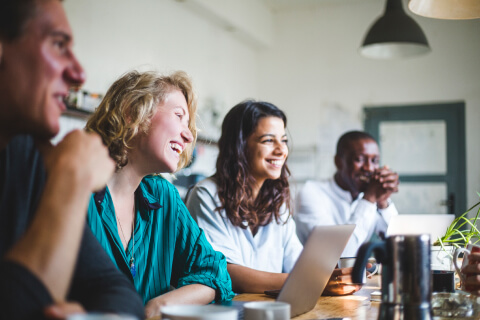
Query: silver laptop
{"points": [[433, 224], [314, 267]]}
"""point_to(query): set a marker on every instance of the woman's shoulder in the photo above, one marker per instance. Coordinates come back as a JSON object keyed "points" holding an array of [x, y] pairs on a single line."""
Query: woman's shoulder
{"points": [[208, 185], [203, 198]]}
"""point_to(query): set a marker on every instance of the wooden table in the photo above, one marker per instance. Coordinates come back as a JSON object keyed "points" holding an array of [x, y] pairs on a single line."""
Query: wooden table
{"points": [[357, 306]]}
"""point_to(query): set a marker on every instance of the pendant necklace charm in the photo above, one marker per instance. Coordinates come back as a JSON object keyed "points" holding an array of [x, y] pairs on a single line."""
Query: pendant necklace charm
{"points": [[132, 259], [132, 266], [133, 270]]}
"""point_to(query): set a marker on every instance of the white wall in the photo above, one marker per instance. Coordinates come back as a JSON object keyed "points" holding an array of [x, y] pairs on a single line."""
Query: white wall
{"points": [[114, 36], [312, 69], [314, 72]]}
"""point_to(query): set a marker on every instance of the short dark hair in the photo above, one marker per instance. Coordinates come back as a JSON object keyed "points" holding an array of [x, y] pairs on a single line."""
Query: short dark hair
{"points": [[345, 140], [14, 15]]}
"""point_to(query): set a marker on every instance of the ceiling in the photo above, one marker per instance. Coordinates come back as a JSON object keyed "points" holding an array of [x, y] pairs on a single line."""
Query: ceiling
{"points": [[291, 4]]}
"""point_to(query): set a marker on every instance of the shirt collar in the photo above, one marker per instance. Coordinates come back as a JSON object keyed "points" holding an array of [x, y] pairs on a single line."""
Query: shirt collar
{"points": [[344, 194], [146, 200]]}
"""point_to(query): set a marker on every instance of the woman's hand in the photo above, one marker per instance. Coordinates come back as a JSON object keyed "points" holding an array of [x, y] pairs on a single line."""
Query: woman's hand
{"points": [[190, 294], [341, 284], [153, 307]]}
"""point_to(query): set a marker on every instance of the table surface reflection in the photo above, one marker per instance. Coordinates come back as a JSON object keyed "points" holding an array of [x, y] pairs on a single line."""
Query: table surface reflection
{"points": [[357, 306]]}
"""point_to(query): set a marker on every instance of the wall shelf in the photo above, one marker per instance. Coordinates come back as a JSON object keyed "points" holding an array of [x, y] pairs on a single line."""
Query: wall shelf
{"points": [[77, 113]]}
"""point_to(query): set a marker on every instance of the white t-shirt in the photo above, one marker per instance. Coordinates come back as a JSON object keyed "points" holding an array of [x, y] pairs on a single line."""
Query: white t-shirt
{"points": [[274, 248], [325, 203]]}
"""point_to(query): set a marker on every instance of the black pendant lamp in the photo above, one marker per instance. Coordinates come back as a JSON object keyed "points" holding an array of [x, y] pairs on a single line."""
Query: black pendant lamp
{"points": [[394, 35]]}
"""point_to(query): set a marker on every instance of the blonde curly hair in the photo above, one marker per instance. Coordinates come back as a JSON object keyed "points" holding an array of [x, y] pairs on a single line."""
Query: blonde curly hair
{"points": [[130, 104]]}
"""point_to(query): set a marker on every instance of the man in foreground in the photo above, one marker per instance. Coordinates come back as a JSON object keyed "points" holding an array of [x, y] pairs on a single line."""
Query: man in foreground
{"points": [[51, 265], [359, 193]]}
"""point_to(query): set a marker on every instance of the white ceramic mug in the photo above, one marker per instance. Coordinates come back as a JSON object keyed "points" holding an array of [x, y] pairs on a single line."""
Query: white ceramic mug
{"points": [[466, 251], [100, 316], [196, 312], [349, 262], [266, 310]]}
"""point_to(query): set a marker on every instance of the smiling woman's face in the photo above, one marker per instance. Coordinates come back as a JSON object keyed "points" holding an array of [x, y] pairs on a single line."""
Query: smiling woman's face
{"points": [[159, 150], [267, 149]]}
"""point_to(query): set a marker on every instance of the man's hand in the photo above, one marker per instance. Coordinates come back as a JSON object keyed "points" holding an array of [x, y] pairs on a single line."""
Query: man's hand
{"points": [[382, 184], [76, 167], [472, 274], [83, 157], [62, 310]]}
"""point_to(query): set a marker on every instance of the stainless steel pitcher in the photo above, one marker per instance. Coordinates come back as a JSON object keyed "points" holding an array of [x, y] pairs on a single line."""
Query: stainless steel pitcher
{"points": [[406, 276]]}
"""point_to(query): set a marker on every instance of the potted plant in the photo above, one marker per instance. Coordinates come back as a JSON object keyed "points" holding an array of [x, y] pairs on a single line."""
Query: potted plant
{"points": [[462, 231]]}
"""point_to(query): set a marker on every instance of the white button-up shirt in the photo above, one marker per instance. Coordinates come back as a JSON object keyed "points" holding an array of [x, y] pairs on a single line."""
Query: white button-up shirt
{"points": [[325, 203], [274, 248]]}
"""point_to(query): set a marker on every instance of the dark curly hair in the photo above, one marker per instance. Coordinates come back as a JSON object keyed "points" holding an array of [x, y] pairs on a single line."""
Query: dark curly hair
{"points": [[233, 176]]}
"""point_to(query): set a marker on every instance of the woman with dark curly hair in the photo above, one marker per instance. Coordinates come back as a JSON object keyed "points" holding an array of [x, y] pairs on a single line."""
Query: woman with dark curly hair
{"points": [[244, 207]]}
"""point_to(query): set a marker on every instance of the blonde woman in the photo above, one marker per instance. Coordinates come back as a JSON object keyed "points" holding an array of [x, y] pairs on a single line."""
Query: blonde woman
{"points": [[147, 122]]}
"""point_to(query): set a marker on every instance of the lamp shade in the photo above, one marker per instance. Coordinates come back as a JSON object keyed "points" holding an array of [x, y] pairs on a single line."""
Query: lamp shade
{"points": [[446, 9], [394, 35]]}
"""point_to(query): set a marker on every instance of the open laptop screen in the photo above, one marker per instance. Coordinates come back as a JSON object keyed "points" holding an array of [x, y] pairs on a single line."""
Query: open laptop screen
{"points": [[314, 267]]}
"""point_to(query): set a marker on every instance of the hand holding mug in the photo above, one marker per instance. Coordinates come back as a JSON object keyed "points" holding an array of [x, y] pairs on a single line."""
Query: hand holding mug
{"points": [[349, 262], [469, 272], [340, 282]]}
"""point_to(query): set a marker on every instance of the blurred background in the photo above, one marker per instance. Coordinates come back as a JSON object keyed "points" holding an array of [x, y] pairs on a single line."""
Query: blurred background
{"points": [[303, 56]]}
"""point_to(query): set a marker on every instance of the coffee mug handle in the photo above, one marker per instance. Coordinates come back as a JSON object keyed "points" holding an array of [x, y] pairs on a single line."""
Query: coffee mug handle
{"points": [[377, 267], [455, 260], [269, 315]]}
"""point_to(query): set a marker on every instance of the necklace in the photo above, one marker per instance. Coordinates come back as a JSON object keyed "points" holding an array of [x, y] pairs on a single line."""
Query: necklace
{"points": [[132, 259]]}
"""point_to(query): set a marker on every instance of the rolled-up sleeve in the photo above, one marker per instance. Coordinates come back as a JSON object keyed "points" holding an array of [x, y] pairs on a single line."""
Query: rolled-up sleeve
{"points": [[199, 262]]}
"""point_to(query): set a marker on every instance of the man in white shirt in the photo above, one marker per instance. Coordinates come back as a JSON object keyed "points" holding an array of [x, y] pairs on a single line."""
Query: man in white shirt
{"points": [[359, 193]]}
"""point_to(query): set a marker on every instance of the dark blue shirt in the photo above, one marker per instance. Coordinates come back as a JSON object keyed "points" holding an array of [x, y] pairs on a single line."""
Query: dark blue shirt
{"points": [[96, 283]]}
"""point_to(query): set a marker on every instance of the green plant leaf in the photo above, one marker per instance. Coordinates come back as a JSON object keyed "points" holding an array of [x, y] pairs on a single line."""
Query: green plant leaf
{"points": [[462, 230]]}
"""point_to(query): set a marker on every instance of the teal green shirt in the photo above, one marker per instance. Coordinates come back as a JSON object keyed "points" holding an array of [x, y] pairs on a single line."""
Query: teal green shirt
{"points": [[170, 249]]}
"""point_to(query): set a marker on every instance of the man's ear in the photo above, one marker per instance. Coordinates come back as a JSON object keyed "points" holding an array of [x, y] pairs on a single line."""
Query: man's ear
{"points": [[1, 52], [338, 162]]}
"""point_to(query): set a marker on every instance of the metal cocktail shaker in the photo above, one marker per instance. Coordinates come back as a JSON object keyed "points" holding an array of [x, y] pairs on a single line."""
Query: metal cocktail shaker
{"points": [[406, 276]]}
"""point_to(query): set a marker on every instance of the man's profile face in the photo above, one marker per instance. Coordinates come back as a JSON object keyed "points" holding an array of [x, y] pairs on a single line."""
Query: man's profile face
{"points": [[356, 165], [36, 72]]}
